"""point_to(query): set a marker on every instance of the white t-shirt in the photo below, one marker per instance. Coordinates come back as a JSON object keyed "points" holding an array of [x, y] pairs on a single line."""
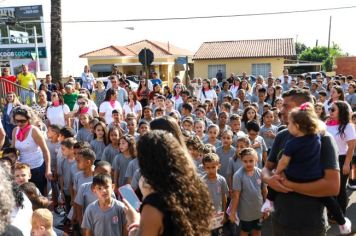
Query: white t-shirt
{"points": [[177, 102], [106, 108], [127, 109], [55, 115], [91, 104], [210, 94], [21, 217], [341, 142]]}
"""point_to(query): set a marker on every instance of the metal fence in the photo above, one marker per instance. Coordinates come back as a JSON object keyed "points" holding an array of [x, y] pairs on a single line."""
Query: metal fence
{"points": [[25, 95]]}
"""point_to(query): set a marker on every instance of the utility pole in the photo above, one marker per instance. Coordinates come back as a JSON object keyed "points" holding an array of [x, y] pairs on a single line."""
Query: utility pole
{"points": [[329, 35]]}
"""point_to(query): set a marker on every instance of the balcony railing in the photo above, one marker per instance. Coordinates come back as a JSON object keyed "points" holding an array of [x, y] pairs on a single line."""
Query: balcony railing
{"points": [[25, 95]]}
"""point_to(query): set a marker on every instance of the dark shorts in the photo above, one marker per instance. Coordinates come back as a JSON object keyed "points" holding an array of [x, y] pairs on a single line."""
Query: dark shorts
{"points": [[248, 226], [353, 161], [38, 177]]}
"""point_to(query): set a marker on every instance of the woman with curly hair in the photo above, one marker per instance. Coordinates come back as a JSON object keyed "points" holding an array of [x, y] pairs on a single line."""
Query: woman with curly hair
{"points": [[175, 200], [340, 127]]}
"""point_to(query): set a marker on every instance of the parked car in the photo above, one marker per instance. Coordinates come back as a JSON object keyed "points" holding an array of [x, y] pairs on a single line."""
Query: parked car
{"points": [[314, 73], [132, 84], [133, 78]]}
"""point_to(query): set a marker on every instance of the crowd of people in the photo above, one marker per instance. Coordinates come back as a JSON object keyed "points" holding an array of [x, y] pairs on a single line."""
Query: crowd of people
{"points": [[203, 157]]}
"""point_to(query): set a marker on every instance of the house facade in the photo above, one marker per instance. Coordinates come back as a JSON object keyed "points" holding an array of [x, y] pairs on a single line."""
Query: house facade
{"points": [[169, 60], [255, 57]]}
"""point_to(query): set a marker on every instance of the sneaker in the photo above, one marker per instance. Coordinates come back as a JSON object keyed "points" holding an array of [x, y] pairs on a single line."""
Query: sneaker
{"points": [[267, 206], [345, 228], [352, 184]]}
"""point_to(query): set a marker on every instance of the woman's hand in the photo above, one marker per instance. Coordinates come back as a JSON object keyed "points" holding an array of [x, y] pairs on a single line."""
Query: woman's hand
{"points": [[346, 169], [49, 174], [256, 144], [132, 216]]}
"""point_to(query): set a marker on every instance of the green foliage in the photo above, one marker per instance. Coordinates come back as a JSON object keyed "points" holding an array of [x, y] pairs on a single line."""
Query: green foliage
{"points": [[321, 54], [300, 47]]}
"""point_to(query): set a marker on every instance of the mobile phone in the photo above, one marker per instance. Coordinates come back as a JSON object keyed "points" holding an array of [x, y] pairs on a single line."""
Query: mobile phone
{"points": [[129, 195]]}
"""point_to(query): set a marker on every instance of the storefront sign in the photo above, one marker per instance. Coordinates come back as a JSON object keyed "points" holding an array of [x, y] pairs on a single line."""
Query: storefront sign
{"points": [[21, 12], [18, 53]]}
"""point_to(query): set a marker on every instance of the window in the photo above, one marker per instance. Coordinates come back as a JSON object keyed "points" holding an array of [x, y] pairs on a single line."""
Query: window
{"points": [[261, 69], [213, 69]]}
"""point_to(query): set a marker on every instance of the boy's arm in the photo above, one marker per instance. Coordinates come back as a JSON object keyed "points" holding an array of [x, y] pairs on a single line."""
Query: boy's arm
{"points": [[61, 185], [87, 232], [116, 181], [282, 164], [124, 230], [229, 183], [264, 156], [79, 212], [234, 204], [264, 192]]}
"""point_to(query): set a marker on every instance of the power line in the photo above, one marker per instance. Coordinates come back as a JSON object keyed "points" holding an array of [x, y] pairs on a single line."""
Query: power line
{"points": [[206, 17]]}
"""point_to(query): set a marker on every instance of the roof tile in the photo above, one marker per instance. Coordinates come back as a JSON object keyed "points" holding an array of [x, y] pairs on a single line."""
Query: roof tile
{"points": [[246, 49], [158, 48]]}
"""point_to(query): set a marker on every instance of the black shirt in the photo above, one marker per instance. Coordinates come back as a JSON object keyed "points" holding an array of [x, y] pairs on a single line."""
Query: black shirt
{"points": [[294, 210], [156, 200], [11, 230]]}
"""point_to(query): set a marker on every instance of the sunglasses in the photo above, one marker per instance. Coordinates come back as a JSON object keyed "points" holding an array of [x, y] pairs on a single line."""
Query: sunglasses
{"points": [[20, 121], [331, 109], [81, 103]]}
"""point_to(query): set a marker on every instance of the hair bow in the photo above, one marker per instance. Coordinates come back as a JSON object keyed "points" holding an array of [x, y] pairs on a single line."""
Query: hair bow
{"points": [[304, 106]]}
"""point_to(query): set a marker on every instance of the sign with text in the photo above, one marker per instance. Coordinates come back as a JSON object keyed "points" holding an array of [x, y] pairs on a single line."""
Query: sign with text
{"points": [[21, 12], [18, 53]]}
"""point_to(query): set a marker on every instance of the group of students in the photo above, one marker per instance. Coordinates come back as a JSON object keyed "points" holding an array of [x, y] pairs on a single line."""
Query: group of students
{"points": [[228, 135]]}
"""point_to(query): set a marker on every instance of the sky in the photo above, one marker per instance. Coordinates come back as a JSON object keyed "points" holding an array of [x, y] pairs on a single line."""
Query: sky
{"points": [[79, 38]]}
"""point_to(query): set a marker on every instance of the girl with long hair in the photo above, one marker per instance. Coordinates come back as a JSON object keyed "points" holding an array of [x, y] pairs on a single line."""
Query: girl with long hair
{"points": [[99, 142], [249, 114], [84, 132], [127, 147], [110, 103], [11, 102], [58, 113], [320, 111], [112, 149], [208, 93], [177, 98], [271, 96], [143, 92], [235, 87], [132, 106]]}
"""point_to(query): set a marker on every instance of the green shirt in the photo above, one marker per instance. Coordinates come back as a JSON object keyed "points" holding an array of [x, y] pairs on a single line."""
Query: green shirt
{"points": [[70, 100]]}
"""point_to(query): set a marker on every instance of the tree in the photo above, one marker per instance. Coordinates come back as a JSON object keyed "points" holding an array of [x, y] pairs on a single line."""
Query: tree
{"points": [[56, 40], [321, 54], [300, 47]]}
